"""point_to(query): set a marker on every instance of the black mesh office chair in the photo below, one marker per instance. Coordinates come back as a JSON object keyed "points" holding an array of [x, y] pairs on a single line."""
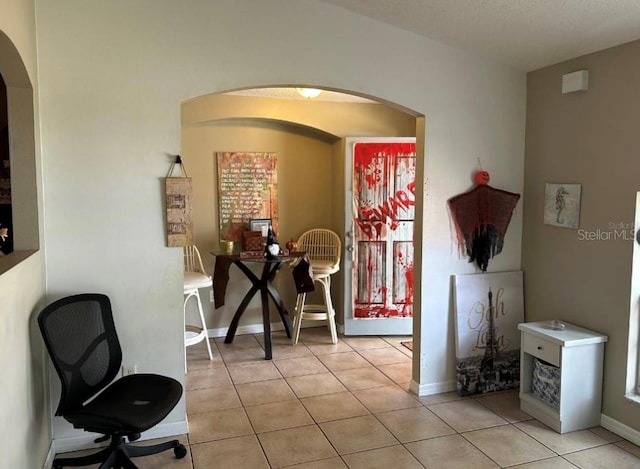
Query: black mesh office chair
{"points": [[81, 339]]}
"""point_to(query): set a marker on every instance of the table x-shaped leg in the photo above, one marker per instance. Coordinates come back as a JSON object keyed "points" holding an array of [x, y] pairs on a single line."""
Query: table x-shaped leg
{"points": [[264, 285]]}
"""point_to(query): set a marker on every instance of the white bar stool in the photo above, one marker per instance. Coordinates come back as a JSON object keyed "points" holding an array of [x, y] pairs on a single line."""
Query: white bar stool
{"points": [[323, 249], [195, 278]]}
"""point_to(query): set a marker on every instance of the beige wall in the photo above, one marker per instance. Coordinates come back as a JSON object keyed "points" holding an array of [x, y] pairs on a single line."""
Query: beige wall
{"points": [[306, 136], [24, 412], [590, 138]]}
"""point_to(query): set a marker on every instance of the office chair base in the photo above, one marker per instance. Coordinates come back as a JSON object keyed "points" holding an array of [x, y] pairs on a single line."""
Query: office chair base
{"points": [[119, 454]]}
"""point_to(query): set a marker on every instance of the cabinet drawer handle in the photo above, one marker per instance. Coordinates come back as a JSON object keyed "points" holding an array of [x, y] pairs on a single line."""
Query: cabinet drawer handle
{"points": [[539, 347]]}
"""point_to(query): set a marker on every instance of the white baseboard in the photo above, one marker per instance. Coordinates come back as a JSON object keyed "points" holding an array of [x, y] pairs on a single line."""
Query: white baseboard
{"points": [[85, 440], [252, 329], [51, 454], [620, 429], [432, 388]]}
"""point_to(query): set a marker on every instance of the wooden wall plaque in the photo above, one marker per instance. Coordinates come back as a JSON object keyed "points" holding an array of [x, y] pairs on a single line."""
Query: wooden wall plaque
{"points": [[179, 211]]}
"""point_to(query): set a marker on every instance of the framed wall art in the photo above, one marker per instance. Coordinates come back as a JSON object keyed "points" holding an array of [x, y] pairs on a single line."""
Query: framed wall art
{"points": [[489, 308], [260, 224], [562, 205], [247, 189]]}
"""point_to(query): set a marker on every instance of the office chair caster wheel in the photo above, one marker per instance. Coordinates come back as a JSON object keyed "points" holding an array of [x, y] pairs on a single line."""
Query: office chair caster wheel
{"points": [[180, 451]]}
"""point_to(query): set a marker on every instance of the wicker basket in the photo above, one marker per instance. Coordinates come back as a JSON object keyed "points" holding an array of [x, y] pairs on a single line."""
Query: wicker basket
{"points": [[546, 383]]}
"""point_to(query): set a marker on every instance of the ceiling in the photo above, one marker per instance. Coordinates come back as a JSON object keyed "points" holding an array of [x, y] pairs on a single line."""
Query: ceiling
{"points": [[525, 34]]}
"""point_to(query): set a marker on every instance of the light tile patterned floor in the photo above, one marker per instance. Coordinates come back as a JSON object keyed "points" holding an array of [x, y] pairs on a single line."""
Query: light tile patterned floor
{"points": [[318, 405]]}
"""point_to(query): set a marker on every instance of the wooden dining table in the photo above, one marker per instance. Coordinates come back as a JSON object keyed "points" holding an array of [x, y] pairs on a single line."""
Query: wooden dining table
{"points": [[262, 283]]}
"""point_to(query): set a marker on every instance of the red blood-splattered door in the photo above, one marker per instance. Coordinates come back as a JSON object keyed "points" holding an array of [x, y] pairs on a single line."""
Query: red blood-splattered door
{"points": [[379, 244]]}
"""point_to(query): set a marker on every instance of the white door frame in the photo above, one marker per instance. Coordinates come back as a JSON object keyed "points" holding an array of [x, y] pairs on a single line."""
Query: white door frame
{"points": [[391, 326]]}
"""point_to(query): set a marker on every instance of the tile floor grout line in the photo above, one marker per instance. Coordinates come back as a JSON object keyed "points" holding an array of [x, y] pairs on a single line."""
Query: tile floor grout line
{"points": [[361, 353], [463, 434]]}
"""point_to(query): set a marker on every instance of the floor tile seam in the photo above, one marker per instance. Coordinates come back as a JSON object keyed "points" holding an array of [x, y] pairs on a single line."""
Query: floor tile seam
{"points": [[286, 428], [315, 460], [346, 369], [233, 351], [380, 348], [387, 429], [463, 434], [398, 443], [281, 360], [212, 440], [477, 399], [381, 412], [317, 426], [333, 419], [218, 440], [619, 438], [373, 348], [314, 395], [246, 414], [226, 385], [428, 410], [594, 447], [400, 339], [539, 460], [616, 443], [269, 402], [555, 451], [412, 454], [295, 396], [257, 380], [260, 361], [344, 454], [306, 374], [366, 387], [387, 375], [264, 453], [214, 410], [204, 387], [376, 365], [566, 460], [329, 353], [390, 446], [255, 434], [453, 430]]}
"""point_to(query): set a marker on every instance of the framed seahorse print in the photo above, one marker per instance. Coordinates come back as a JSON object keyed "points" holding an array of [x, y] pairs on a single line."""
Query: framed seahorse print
{"points": [[562, 205]]}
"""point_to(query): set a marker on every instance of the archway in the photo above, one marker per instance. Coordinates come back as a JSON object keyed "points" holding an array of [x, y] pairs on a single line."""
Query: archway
{"points": [[22, 151], [318, 121], [6, 219]]}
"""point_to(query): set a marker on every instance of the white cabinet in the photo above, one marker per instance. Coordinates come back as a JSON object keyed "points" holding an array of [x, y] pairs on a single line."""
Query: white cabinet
{"points": [[579, 354]]}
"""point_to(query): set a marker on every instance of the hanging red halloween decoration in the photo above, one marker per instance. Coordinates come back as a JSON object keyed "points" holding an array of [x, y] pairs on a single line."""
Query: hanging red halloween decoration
{"points": [[481, 178], [481, 217]]}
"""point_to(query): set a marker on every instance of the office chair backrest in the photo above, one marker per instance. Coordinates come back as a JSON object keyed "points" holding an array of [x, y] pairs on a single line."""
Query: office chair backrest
{"points": [[81, 338]]}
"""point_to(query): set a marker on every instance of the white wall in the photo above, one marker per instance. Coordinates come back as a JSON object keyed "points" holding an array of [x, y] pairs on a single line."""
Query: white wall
{"points": [[113, 75], [24, 413]]}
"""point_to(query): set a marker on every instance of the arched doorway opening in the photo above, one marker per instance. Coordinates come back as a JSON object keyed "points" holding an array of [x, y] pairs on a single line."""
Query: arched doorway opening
{"points": [[6, 218], [25, 231], [316, 133]]}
